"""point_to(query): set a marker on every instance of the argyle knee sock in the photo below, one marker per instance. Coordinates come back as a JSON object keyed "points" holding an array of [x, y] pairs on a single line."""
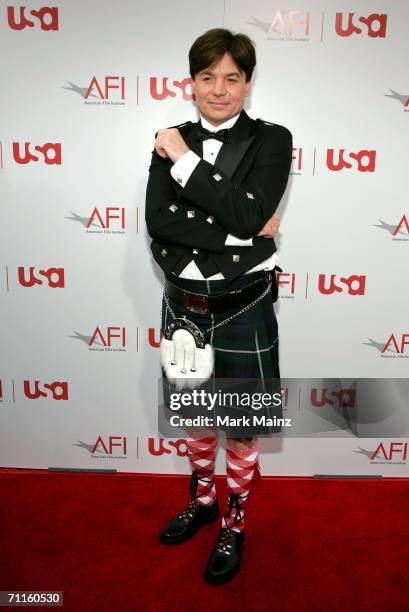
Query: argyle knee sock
{"points": [[241, 466], [202, 457]]}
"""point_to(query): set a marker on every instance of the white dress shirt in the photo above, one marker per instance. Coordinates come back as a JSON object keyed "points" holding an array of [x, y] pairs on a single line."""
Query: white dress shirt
{"points": [[181, 171]]}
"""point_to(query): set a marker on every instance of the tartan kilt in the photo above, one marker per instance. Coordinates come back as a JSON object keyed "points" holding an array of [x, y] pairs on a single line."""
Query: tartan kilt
{"points": [[247, 347]]}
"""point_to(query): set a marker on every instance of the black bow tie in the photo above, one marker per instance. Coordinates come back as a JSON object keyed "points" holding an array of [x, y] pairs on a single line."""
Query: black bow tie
{"points": [[222, 135]]}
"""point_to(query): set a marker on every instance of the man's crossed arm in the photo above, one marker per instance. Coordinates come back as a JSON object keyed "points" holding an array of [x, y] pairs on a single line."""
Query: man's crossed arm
{"points": [[210, 227]]}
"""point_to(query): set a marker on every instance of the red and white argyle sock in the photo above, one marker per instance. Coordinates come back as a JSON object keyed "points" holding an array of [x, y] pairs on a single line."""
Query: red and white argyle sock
{"points": [[241, 466], [202, 457]]}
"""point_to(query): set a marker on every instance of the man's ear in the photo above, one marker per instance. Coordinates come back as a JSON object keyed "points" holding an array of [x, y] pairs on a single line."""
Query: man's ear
{"points": [[248, 87], [193, 86]]}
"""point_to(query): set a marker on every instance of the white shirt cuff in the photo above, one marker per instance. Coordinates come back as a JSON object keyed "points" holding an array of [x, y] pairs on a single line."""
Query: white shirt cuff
{"points": [[233, 241], [183, 168]]}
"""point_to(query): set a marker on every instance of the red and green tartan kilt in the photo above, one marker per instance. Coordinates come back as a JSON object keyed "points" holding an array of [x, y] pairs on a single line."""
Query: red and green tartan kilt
{"points": [[247, 347]]}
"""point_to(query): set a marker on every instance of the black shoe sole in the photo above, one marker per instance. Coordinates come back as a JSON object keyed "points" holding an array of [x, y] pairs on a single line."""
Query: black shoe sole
{"points": [[186, 536], [211, 579]]}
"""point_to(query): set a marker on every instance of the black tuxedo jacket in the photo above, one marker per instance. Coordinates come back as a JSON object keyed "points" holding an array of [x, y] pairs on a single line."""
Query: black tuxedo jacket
{"points": [[237, 195]]}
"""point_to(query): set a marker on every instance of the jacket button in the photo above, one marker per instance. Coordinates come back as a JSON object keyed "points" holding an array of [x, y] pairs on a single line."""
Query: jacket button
{"points": [[190, 214], [236, 258], [210, 219], [173, 207], [250, 195], [163, 252]]}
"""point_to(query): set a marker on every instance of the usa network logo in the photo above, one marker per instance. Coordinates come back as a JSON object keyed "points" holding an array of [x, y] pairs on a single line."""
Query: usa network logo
{"points": [[44, 18], [389, 453], [363, 160], [31, 276], [34, 390], [291, 284], [49, 153], [160, 446], [160, 88], [333, 159], [302, 26]]}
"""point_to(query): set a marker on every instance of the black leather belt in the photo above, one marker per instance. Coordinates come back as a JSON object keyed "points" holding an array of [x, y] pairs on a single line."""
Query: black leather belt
{"points": [[206, 304]]}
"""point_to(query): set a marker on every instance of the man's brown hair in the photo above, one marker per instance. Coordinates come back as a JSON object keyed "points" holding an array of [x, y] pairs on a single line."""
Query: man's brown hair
{"points": [[210, 47]]}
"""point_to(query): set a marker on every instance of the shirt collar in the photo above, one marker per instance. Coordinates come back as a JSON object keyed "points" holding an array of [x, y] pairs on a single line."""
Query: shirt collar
{"points": [[226, 125]]}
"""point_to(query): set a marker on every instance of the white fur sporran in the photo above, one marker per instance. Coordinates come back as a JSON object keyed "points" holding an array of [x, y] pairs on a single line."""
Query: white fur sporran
{"points": [[187, 359]]}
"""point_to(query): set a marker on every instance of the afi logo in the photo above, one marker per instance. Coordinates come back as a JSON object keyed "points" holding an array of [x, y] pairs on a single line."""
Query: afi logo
{"points": [[54, 276], [398, 343], [285, 25], [364, 160], [111, 333], [401, 98], [105, 218], [374, 25], [54, 147], [389, 453], [46, 18], [354, 283], [296, 164], [59, 390], [403, 223], [162, 91], [287, 280], [343, 398], [108, 447], [108, 83], [154, 338], [157, 448]]}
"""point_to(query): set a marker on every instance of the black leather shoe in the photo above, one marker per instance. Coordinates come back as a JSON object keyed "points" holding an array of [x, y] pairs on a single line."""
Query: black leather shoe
{"points": [[183, 526], [224, 562]]}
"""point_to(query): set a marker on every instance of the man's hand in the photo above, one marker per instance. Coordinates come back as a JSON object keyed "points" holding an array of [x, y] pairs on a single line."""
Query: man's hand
{"points": [[271, 227], [169, 143]]}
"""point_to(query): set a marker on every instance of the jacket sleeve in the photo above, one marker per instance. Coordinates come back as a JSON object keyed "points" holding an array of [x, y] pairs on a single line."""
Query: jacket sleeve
{"points": [[168, 220], [243, 210]]}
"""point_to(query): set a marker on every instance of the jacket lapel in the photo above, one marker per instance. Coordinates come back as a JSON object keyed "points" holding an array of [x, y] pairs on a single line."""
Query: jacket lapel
{"points": [[190, 139], [231, 154]]}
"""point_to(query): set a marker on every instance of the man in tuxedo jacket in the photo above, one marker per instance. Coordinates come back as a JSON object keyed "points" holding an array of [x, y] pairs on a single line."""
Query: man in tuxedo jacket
{"points": [[212, 194]]}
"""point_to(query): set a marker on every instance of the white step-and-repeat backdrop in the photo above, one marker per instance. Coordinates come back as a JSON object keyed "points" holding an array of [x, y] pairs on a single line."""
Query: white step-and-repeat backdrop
{"points": [[84, 87]]}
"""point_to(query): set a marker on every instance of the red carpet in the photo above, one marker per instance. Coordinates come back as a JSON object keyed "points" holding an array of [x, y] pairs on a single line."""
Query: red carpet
{"points": [[311, 544]]}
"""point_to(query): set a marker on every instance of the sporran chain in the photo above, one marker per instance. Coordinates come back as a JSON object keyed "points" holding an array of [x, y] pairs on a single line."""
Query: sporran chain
{"points": [[236, 314]]}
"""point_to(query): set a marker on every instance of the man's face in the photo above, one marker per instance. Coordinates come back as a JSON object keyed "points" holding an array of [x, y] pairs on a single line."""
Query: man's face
{"points": [[220, 90]]}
